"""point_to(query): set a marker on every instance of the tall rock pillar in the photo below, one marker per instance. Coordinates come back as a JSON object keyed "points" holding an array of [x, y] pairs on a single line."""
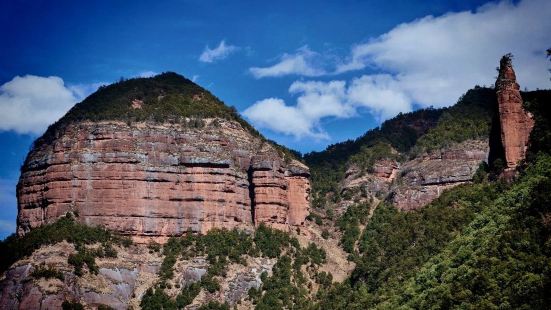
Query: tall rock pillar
{"points": [[515, 123]]}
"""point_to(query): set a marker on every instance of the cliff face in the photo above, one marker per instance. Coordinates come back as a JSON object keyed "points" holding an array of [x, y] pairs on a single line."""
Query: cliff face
{"points": [[423, 179], [160, 179], [120, 282], [515, 123], [414, 183]]}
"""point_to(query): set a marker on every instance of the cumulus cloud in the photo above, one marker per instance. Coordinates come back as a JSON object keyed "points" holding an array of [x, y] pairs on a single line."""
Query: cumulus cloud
{"points": [[146, 74], [318, 100], [273, 113], [436, 59], [218, 53], [430, 61], [28, 104], [303, 62], [381, 94]]}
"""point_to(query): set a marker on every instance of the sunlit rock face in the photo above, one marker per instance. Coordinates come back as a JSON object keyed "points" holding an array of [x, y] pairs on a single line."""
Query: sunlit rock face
{"points": [[416, 182], [515, 123], [158, 180], [424, 178]]}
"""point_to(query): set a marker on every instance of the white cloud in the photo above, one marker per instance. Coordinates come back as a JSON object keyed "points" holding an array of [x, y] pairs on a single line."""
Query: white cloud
{"points": [[146, 74], [218, 53], [304, 62], [273, 113], [430, 61], [321, 99], [436, 59], [30, 103], [318, 100], [381, 94]]}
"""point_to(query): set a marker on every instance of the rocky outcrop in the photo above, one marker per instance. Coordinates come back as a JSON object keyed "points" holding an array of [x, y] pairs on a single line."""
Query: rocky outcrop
{"points": [[375, 183], [158, 180], [120, 282], [423, 179], [515, 123], [414, 183]]}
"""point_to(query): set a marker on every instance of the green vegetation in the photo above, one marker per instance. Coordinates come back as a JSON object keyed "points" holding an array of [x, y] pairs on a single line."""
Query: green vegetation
{"points": [[281, 289], [395, 243], [187, 295], [41, 271], [538, 102], [470, 118], [72, 305], [478, 246], [401, 133], [409, 133], [503, 258], [367, 156], [156, 298], [349, 224], [14, 248], [270, 242], [325, 234], [213, 305], [167, 97], [223, 247]]}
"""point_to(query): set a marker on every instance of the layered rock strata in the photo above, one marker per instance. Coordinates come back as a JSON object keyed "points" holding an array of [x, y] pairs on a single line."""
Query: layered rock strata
{"points": [[515, 123], [416, 182], [161, 180], [423, 179]]}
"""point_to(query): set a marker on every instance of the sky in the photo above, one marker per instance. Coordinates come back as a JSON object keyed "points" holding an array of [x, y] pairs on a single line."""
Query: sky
{"points": [[307, 74]]}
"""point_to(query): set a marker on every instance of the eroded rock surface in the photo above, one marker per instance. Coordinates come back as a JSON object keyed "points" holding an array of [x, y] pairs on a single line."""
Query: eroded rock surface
{"points": [[515, 123], [119, 283], [414, 183], [159, 180]]}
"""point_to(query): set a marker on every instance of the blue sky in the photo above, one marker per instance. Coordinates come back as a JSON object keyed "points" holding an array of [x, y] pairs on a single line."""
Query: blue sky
{"points": [[306, 73]]}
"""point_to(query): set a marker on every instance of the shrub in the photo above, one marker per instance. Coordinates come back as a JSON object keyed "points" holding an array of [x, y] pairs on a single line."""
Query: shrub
{"points": [[214, 305], [72, 305], [187, 295], [47, 273], [66, 228], [82, 257]]}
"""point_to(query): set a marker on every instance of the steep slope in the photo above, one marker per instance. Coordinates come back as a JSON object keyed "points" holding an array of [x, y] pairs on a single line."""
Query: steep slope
{"points": [[155, 157], [329, 167], [410, 159], [480, 245]]}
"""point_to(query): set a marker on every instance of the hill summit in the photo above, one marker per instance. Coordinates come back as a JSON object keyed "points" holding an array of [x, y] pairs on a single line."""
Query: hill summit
{"points": [[156, 157], [167, 97]]}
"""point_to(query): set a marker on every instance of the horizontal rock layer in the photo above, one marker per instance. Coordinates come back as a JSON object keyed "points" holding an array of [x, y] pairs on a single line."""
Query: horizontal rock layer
{"points": [[161, 180], [417, 182]]}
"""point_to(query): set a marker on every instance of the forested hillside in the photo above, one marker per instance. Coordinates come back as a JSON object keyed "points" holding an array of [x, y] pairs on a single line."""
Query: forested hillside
{"points": [[484, 245]]}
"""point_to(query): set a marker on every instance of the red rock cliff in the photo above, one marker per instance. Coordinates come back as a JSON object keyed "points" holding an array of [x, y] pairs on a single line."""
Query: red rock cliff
{"points": [[515, 123], [150, 179]]}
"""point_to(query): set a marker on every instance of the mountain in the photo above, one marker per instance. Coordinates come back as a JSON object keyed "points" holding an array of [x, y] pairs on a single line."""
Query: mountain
{"points": [[155, 157], [134, 201], [410, 159]]}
